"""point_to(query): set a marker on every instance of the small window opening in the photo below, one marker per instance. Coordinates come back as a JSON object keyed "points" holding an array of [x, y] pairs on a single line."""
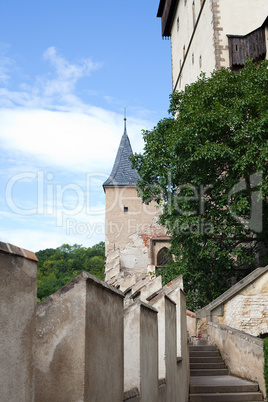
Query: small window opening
{"points": [[200, 61], [125, 209], [193, 13], [163, 257], [178, 24], [183, 51], [192, 58]]}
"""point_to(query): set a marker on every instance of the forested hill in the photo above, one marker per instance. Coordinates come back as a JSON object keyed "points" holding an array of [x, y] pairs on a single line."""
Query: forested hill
{"points": [[56, 267]]}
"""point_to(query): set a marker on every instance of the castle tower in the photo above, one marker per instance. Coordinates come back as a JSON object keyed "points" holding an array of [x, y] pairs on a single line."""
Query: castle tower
{"points": [[130, 225]]}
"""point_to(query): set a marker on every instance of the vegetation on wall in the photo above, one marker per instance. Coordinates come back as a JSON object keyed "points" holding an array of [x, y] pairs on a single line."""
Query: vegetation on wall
{"points": [[57, 267], [206, 165], [265, 371]]}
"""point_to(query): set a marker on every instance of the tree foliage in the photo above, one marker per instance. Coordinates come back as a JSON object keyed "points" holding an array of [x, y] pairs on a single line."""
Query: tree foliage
{"points": [[206, 165], [57, 267]]}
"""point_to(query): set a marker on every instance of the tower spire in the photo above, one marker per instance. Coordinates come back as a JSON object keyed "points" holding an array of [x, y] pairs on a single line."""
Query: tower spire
{"points": [[125, 121], [122, 173]]}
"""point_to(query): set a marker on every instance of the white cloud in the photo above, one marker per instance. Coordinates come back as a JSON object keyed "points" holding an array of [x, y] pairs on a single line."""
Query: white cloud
{"points": [[45, 127], [67, 74], [75, 141]]}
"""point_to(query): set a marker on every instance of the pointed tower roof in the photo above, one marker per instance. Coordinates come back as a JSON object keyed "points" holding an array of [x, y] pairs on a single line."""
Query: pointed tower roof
{"points": [[122, 173]]}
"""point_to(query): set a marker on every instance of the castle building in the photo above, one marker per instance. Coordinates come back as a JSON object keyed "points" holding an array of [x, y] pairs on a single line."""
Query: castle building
{"points": [[210, 34], [132, 233]]}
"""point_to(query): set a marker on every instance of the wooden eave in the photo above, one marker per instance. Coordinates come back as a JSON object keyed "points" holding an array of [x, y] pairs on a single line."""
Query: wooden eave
{"points": [[166, 11]]}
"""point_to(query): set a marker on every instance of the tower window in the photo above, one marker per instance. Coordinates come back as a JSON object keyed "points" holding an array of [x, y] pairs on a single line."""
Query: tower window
{"points": [[193, 13], [125, 209], [178, 24]]}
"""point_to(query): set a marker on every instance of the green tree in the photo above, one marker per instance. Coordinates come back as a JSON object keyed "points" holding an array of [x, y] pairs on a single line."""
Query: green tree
{"points": [[206, 165], [57, 267]]}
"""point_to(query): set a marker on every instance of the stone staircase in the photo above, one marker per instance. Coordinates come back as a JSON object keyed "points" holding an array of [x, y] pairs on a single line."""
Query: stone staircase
{"points": [[210, 380]]}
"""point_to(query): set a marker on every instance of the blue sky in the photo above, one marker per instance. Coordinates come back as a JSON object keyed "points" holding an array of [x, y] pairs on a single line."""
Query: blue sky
{"points": [[67, 71]]}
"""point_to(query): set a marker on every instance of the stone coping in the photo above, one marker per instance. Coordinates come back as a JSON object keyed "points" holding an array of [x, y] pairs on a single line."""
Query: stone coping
{"points": [[137, 303], [190, 314], [236, 332], [84, 276], [11, 249], [168, 288], [232, 292], [132, 393]]}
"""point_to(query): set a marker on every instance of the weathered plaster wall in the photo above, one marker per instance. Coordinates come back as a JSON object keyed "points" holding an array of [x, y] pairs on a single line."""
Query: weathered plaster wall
{"points": [[248, 311], [119, 225], [183, 370], [173, 352], [18, 278], [130, 231], [140, 353], [191, 322], [242, 353], [79, 341]]}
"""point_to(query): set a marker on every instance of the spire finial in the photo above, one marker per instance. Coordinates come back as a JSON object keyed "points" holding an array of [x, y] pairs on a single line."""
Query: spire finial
{"points": [[125, 121]]}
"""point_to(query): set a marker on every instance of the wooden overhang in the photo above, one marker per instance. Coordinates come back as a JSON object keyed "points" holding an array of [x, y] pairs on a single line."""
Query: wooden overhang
{"points": [[250, 46], [166, 12]]}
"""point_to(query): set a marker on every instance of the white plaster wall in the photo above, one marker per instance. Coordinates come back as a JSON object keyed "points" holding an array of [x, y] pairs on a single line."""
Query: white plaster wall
{"points": [[132, 347], [201, 45], [159, 304], [140, 351], [240, 18], [170, 352], [149, 356], [235, 17]]}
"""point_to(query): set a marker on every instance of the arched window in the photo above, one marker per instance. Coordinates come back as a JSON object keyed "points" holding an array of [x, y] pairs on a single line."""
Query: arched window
{"points": [[183, 50], [163, 256]]}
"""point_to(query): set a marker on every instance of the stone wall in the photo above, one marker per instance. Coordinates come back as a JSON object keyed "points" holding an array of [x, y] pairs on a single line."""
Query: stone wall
{"points": [[242, 353], [243, 307], [79, 344], [248, 311], [18, 278]]}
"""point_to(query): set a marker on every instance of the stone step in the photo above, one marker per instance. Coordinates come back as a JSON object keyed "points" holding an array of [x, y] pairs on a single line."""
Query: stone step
{"points": [[227, 397], [202, 348], [217, 359], [204, 353], [204, 366], [221, 384], [209, 372]]}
